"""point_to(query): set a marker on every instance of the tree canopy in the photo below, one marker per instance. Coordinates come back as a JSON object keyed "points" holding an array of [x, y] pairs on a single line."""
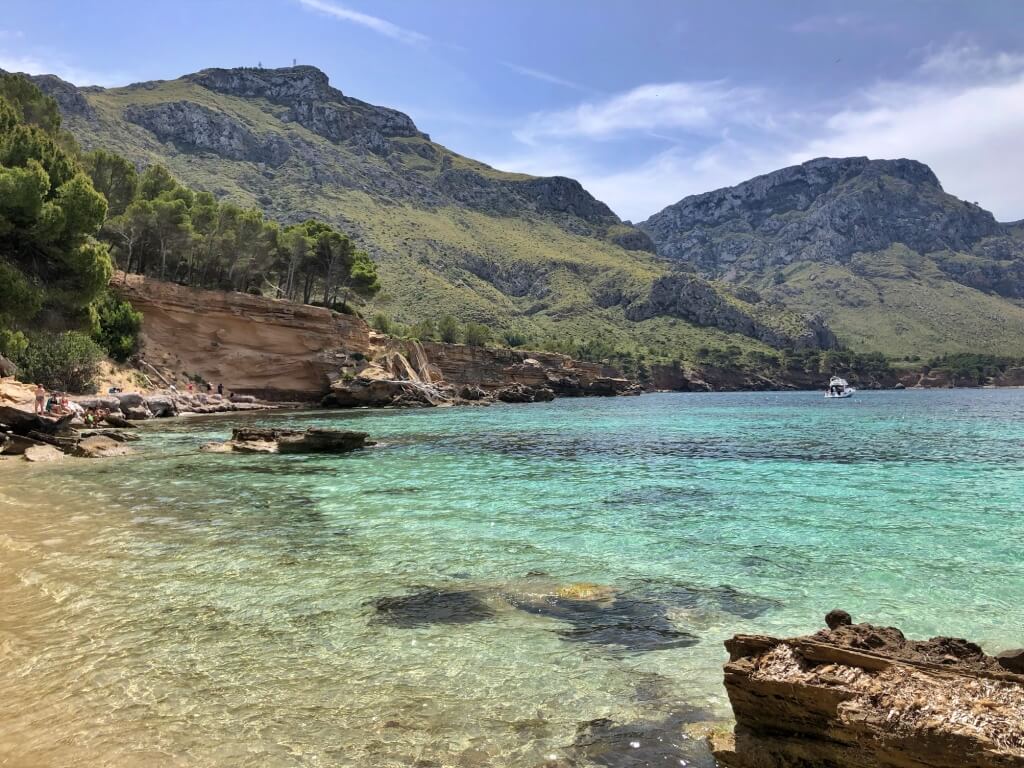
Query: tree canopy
{"points": [[51, 266]]}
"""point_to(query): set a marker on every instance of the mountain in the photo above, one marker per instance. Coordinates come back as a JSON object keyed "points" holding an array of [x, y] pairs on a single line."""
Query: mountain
{"points": [[531, 255], [890, 260]]}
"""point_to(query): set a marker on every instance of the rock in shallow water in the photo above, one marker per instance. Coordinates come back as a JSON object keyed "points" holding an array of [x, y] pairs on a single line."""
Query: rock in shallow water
{"points": [[432, 606], [622, 622], [642, 744]]}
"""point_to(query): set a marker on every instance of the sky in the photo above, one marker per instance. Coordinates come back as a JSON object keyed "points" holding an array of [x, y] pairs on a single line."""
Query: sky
{"points": [[644, 101]]}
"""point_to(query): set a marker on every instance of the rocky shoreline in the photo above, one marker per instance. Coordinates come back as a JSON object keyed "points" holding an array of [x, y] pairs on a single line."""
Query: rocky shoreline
{"points": [[859, 695]]}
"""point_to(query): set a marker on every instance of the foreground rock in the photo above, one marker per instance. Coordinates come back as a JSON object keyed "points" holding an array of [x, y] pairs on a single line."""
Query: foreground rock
{"points": [[313, 440], [860, 695]]}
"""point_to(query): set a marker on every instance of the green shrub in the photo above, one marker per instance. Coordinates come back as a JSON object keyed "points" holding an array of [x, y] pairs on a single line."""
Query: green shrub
{"points": [[514, 339], [381, 323], [118, 327], [448, 329], [66, 361], [477, 335]]}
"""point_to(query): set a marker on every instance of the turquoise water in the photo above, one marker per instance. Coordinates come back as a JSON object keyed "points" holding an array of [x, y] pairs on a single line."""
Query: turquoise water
{"points": [[180, 608]]}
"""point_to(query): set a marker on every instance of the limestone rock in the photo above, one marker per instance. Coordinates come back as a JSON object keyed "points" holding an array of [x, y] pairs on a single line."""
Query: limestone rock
{"points": [[191, 126], [888, 703], [136, 412], [101, 446], [162, 406], [313, 440], [43, 453]]}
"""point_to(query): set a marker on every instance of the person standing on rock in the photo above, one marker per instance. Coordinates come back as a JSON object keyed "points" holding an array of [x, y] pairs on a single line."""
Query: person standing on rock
{"points": [[40, 400], [220, 389]]}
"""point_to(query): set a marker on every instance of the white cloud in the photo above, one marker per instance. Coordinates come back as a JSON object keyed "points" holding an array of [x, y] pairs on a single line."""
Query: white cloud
{"points": [[963, 116], [545, 77], [54, 65], [696, 106], [961, 111], [377, 24]]}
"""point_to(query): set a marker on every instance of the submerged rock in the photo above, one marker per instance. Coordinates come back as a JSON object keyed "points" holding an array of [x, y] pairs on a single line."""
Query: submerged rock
{"points": [[432, 606], [608, 619], [642, 744]]}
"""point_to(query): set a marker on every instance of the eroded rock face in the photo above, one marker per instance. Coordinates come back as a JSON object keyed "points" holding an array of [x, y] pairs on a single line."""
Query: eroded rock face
{"points": [[314, 104], [685, 295], [860, 695], [192, 126]]}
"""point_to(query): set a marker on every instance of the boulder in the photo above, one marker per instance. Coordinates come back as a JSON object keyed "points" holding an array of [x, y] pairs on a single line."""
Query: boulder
{"points": [[362, 391], [313, 440], [116, 420], [106, 402], [128, 400], [23, 421], [7, 368], [100, 446], [137, 412], [1012, 660], [15, 445], [472, 393], [161, 406], [322, 441], [521, 393], [837, 618], [43, 453], [243, 399]]}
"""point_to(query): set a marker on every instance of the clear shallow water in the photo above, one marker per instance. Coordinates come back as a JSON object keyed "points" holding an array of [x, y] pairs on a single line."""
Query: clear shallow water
{"points": [[180, 608]]}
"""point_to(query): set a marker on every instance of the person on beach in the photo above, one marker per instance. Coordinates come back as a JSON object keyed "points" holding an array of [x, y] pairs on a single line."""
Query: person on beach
{"points": [[220, 389], [191, 388], [40, 400]]}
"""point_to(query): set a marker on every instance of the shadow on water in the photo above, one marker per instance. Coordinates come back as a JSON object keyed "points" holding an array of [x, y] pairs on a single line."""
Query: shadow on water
{"points": [[430, 606]]}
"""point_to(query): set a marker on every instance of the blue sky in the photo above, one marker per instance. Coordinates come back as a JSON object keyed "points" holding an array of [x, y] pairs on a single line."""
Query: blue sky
{"points": [[644, 101]]}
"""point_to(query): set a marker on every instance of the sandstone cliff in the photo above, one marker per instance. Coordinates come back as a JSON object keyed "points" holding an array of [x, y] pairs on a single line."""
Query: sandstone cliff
{"points": [[279, 350], [253, 345]]}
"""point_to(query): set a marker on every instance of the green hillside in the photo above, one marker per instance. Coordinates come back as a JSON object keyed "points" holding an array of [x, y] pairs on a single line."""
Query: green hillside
{"points": [[539, 257]]}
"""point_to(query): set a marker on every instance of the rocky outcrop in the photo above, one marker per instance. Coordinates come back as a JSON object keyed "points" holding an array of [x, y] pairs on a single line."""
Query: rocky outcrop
{"points": [[191, 126], [69, 98], [272, 349], [860, 695], [687, 296], [314, 104], [313, 440]]}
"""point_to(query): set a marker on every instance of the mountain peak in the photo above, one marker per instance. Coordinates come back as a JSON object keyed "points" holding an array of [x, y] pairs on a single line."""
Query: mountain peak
{"points": [[825, 209], [284, 84]]}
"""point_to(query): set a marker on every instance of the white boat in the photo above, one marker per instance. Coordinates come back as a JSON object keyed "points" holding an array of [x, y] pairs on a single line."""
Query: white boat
{"points": [[838, 387]]}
